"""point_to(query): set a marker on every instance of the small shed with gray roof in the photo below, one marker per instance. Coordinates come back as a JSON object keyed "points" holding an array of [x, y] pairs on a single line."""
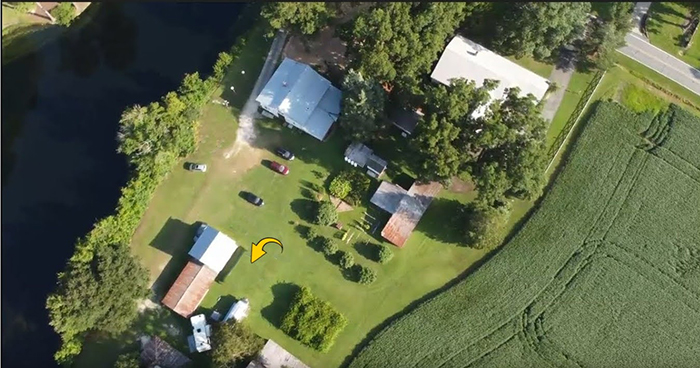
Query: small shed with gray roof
{"points": [[302, 97]]}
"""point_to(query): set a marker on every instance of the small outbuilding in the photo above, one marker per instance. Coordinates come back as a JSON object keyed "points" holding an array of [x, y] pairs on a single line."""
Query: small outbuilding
{"points": [[406, 120], [209, 254], [274, 356], [239, 310], [213, 249], [405, 206], [359, 155], [158, 353], [302, 97]]}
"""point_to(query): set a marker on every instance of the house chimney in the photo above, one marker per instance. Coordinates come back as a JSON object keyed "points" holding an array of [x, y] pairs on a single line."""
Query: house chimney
{"points": [[284, 83]]}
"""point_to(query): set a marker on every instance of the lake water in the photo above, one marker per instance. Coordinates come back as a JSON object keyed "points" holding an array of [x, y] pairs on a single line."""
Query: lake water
{"points": [[65, 172]]}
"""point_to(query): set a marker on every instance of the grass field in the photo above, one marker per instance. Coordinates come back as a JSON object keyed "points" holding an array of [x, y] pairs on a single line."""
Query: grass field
{"points": [[539, 68], [605, 273], [641, 89], [665, 30]]}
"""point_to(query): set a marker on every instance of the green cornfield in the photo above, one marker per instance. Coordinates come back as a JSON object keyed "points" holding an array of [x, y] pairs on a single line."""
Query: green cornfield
{"points": [[606, 273]]}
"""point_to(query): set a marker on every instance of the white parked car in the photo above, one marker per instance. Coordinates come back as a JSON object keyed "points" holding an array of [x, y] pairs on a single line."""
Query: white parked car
{"points": [[197, 167]]}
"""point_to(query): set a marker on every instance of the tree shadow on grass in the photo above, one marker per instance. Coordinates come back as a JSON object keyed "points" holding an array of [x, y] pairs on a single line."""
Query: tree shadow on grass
{"points": [[175, 237], [367, 250], [444, 221], [282, 294], [304, 208]]}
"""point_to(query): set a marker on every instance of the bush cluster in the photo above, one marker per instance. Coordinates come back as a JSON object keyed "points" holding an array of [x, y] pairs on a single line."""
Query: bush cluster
{"points": [[345, 259], [326, 214], [312, 321], [350, 185], [328, 247], [365, 275], [384, 254]]}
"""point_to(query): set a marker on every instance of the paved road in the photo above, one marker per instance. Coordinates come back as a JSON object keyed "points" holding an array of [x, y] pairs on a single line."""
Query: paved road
{"points": [[560, 75], [639, 49]]}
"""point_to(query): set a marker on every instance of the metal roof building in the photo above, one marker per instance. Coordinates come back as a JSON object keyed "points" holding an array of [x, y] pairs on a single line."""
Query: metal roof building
{"points": [[302, 97], [406, 206], [239, 310], [466, 59], [189, 288], [213, 248], [274, 356], [158, 353]]}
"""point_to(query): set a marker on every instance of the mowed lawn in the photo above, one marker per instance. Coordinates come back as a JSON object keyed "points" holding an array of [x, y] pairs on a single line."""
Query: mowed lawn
{"points": [[537, 67], [430, 259], [665, 30], [424, 264]]}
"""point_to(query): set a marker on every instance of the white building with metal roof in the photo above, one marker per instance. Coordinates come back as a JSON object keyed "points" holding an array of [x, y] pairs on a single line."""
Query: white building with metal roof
{"points": [[213, 248], [466, 59], [302, 97]]}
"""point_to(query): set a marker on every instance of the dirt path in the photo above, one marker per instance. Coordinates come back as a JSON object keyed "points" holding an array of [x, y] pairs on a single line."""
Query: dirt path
{"points": [[246, 127]]}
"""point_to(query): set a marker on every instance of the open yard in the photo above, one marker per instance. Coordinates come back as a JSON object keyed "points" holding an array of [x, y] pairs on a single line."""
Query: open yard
{"points": [[605, 273], [537, 67], [665, 28], [430, 259]]}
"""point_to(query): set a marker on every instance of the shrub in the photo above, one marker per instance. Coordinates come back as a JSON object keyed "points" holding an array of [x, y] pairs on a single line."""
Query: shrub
{"points": [[365, 275], [486, 225], [346, 259], [24, 7], [328, 247], [64, 13], [340, 187], [233, 341], [384, 254], [312, 321], [326, 214], [127, 360], [311, 233], [222, 63], [360, 185]]}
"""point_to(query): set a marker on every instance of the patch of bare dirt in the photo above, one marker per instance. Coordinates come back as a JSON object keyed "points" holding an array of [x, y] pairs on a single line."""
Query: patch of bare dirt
{"points": [[458, 185], [340, 205], [323, 51]]}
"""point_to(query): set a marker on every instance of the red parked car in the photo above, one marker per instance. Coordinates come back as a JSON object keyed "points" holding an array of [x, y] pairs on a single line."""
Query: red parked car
{"points": [[284, 170]]}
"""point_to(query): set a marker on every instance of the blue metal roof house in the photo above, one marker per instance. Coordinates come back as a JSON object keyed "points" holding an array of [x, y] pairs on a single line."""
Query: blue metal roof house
{"points": [[303, 97]]}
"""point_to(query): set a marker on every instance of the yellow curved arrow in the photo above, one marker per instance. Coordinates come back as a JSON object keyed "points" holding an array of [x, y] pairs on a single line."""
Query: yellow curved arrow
{"points": [[257, 249]]}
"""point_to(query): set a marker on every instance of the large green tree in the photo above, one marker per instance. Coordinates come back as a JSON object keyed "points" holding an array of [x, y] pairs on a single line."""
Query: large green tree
{"points": [[362, 108], [440, 143], [400, 41], [305, 18], [97, 295], [539, 29], [233, 341], [485, 227], [607, 34], [512, 157]]}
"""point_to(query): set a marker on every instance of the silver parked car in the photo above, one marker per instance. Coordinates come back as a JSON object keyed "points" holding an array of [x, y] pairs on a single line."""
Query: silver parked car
{"points": [[197, 167]]}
